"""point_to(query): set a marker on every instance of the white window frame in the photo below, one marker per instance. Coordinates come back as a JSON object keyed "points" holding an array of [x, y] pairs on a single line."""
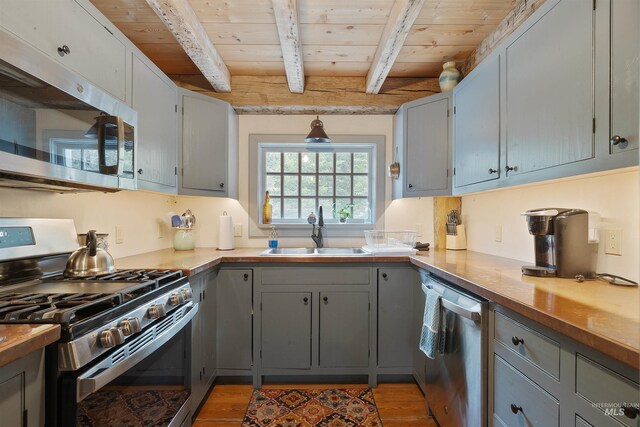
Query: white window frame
{"points": [[260, 144]]}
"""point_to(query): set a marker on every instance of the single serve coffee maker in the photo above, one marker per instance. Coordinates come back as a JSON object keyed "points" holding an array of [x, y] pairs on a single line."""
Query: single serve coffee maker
{"points": [[565, 242]]}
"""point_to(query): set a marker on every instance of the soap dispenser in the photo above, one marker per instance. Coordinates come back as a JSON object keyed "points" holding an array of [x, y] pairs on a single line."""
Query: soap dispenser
{"points": [[273, 238]]}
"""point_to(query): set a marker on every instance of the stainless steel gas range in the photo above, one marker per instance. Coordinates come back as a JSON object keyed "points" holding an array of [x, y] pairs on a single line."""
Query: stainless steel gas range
{"points": [[123, 358]]}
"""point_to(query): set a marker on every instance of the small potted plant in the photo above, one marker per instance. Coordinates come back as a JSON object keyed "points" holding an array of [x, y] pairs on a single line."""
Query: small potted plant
{"points": [[343, 213]]}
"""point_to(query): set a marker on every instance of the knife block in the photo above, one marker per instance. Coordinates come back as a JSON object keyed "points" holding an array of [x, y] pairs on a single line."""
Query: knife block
{"points": [[459, 241]]}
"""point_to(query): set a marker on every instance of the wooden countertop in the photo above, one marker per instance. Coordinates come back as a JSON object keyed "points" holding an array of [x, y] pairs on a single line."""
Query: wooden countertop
{"points": [[17, 341], [594, 313]]}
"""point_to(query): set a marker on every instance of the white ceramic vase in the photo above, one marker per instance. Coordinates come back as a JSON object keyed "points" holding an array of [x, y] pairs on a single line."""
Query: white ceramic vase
{"points": [[449, 77]]}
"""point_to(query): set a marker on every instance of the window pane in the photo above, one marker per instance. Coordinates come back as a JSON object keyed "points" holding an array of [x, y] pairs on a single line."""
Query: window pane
{"points": [[291, 162], [360, 185], [343, 162], [361, 209], [90, 159], [342, 205], [325, 162], [360, 162], [327, 206], [273, 185], [308, 163], [290, 186], [273, 162], [343, 185], [306, 207], [325, 185], [276, 210], [291, 208], [308, 184]]}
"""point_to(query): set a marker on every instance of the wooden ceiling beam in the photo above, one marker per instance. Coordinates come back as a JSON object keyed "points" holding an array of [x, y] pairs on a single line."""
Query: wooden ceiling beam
{"points": [[182, 21], [286, 14], [322, 95], [402, 16]]}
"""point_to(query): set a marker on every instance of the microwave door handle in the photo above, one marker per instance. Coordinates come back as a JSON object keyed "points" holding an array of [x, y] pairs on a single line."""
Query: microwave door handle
{"points": [[103, 122], [103, 373], [120, 148]]}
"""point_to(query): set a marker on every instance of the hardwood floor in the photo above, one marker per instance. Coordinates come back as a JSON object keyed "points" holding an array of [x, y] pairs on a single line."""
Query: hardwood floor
{"points": [[398, 404]]}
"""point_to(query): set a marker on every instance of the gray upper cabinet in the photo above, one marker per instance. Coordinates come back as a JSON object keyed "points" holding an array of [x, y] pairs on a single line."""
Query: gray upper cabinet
{"points": [[286, 330], [209, 149], [549, 90], [154, 99], [423, 145], [476, 124], [344, 329], [234, 319], [625, 48], [66, 32]]}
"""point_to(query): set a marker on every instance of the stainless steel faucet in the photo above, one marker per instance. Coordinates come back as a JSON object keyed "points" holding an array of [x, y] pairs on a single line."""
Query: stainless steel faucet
{"points": [[311, 219]]}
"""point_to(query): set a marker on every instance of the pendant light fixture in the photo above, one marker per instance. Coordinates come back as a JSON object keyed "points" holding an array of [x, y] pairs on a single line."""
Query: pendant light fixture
{"points": [[317, 133]]}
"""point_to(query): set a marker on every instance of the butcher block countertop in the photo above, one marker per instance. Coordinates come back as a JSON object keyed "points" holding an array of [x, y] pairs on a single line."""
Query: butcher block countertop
{"points": [[17, 341], [595, 313]]}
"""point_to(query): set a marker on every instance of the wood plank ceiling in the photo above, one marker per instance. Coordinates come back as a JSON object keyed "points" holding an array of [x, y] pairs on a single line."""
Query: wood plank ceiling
{"points": [[336, 38]]}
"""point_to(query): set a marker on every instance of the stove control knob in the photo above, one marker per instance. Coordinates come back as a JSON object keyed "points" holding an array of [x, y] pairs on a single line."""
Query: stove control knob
{"points": [[176, 298], [111, 337], [156, 311], [130, 326], [187, 293]]}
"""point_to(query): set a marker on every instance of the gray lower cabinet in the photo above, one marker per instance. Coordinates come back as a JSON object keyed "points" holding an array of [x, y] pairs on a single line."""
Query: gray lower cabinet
{"points": [[422, 146], [476, 125], [344, 329], [203, 336], [286, 330], [419, 359], [22, 391], [209, 147], [234, 320], [154, 99], [396, 334]]}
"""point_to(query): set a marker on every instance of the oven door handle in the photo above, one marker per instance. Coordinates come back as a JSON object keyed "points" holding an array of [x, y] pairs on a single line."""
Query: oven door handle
{"points": [[106, 371]]}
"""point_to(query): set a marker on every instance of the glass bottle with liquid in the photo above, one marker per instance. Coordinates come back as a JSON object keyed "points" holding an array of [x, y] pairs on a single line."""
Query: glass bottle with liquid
{"points": [[266, 210]]}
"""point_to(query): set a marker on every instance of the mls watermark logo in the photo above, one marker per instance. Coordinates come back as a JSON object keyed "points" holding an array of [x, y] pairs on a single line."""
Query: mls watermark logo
{"points": [[614, 409]]}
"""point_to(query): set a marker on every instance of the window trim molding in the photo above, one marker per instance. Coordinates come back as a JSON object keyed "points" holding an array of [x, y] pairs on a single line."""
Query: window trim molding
{"points": [[330, 230]]}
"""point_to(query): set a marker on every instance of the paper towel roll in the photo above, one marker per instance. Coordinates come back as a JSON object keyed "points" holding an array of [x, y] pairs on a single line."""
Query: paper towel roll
{"points": [[225, 234]]}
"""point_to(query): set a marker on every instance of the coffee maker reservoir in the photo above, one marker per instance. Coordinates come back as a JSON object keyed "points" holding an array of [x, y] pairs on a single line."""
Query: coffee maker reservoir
{"points": [[565, 242]]}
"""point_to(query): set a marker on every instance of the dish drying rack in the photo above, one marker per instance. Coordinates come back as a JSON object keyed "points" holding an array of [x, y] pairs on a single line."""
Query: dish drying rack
{"points": [[390, 242]]}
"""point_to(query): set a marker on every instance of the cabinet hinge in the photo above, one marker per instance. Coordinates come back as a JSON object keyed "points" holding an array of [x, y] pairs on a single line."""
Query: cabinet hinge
{"points": [[369, 353], [593, 129], [25, 417], [454, 171], [454, 109], [594, 4], [111, 32], [369, 306], [260, 354], [176, 170], [182, 171], [448, 112], [447, 172], [260, 307], [176, 107]]}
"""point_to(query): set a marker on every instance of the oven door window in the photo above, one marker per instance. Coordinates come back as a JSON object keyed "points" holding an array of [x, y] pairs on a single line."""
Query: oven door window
{"points": [[153, 392]]}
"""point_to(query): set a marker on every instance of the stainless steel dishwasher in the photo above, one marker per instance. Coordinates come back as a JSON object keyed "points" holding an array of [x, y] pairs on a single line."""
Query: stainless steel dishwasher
{"points": [[456, 381]]}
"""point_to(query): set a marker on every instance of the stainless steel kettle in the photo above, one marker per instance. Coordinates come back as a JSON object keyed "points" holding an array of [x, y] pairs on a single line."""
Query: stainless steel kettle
{"points": [[89, 260]]}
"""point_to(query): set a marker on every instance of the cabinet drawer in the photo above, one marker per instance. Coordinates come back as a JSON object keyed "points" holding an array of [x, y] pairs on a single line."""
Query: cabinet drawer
{"points": [[315, 276], [518, 401], [606, 390], [542, 351]]}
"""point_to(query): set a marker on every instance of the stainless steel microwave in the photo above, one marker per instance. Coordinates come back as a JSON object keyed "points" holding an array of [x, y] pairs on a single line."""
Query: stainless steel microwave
{"points": [[57, 130]]}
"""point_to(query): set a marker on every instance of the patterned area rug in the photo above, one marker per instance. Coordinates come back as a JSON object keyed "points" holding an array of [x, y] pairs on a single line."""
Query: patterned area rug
{"points": [[108, 408], [351, 407]]}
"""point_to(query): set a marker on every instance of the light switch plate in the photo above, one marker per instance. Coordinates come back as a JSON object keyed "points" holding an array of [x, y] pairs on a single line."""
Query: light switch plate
{"points": [[418, 229], [613, 242], [497, 233], [237, 230], [119, 235]]}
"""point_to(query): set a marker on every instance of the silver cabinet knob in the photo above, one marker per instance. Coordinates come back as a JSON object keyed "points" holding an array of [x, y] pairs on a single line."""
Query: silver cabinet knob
{"points": [[130, 326], [187, 293], [156, 311], [176, 298]]}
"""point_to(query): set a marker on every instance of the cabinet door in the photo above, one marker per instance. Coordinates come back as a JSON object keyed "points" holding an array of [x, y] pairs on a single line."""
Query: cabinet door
{"points": [[22, 391], [344, 329], [234, 290], [395, 318], [286, 330], [419, 358], [427, 147], [549, 91], [625, 46], [208, 328], [94, 52], [154, 99], [476, 124], [197, 350], [204, 144]]}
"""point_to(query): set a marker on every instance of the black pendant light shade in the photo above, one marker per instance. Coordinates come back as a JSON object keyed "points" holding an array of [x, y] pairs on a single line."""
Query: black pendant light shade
{"points": [[317, 133]]}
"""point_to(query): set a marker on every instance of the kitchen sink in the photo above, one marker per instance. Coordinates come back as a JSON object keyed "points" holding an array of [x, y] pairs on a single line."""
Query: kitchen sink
{"points": [[314, 252]]}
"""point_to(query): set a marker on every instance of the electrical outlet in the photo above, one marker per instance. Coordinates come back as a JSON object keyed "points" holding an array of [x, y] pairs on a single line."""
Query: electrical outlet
{"points": [[418, 229], [119, 235], [613, 242], [237, 230], [497, 233]]}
